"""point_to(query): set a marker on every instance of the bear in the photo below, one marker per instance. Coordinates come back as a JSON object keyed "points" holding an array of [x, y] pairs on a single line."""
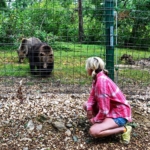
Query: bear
{"points": [[128, 59], [25, 47], [41, 60]]}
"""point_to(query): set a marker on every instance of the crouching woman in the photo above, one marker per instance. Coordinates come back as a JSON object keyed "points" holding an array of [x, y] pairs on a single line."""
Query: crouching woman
{"points": [[107, 108]]}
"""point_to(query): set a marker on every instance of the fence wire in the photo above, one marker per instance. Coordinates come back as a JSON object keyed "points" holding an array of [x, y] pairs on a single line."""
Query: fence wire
{"points": [[75, 30]]}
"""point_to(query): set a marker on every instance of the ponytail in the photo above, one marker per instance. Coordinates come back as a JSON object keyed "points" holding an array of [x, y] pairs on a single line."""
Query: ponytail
{"points": [[94, 74], [105, 72]]}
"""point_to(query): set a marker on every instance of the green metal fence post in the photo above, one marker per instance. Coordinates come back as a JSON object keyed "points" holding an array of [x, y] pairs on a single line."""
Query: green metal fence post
{"points": [[109, 19]]}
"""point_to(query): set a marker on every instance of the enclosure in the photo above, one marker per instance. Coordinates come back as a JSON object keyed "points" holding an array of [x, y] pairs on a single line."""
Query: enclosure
{"points": [[118, 31], [76, 30]]}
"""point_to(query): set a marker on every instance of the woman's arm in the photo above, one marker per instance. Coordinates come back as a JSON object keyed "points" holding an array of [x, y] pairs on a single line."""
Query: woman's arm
{"points": [[103, 99], [91, 99]]}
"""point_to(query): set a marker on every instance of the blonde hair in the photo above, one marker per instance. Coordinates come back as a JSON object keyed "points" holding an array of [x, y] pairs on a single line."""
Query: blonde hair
{"points": [[96, 64]]}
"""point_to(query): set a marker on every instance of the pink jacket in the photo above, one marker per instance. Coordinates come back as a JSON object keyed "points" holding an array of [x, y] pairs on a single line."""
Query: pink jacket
{"points": [[110, 100]]}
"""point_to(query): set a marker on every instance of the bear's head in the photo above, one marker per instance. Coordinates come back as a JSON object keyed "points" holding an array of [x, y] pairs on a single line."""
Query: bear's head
{"points": [[46, 55], [23, 50]]}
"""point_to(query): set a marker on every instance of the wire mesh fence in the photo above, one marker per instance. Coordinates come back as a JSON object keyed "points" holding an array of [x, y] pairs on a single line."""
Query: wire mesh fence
{"points": [[76, 30], [132, 48], [67, 33]]}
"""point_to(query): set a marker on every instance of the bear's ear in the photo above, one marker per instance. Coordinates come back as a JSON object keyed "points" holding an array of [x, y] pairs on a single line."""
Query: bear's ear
{"points": [[23, 43], [46, 48], [24, 40]]}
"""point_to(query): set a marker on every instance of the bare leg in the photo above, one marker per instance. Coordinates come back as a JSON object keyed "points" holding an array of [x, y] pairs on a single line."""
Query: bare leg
{"points": [[106, 128]]}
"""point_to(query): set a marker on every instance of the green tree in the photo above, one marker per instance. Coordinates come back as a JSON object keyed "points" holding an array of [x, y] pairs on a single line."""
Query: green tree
{"points": [[81, 31], [22, 4], [134, 27], [2, 4]]}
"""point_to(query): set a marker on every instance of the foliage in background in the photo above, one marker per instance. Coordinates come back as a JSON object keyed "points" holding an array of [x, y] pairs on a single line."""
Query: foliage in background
{"points": [[59, 20], [3, 4], [133, 24]]}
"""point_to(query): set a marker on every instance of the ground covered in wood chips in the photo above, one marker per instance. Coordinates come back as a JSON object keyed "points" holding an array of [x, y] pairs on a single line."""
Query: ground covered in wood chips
{"points": [[40, 118]]}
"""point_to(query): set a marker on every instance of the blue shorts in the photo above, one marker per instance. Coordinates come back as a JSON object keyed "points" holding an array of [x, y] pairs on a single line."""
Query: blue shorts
{"points": [[120, 121]]}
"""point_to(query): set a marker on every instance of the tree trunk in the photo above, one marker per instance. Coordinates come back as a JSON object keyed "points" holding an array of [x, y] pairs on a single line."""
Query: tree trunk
{"points": [[81, 31]]}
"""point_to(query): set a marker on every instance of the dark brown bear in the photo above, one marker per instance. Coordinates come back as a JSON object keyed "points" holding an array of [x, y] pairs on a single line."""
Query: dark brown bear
{"points": [[41, 59], [25, 47], [128, 59]]}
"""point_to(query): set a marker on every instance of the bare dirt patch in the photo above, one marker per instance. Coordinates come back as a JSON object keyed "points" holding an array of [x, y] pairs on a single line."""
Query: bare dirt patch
{"points": [[31, 125]]}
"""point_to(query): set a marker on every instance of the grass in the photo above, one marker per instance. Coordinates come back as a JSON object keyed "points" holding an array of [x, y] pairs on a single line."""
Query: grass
{"points": [[140, 76], [136, 54], [69, 62]]}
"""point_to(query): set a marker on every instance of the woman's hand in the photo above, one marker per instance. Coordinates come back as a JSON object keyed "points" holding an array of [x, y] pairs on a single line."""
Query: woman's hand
{"points": [[89, 114], [91, 121]]}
